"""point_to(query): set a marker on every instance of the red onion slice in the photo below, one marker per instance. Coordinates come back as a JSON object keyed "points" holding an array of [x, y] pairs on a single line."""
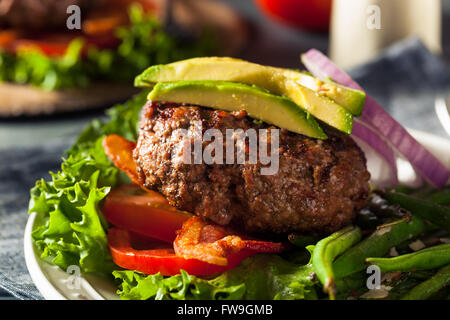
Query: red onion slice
{"points": [[427, 165]]}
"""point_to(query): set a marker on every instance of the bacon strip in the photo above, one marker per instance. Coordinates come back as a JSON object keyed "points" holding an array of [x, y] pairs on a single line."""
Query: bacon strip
{"points": [[211, 243], [120, 151]]}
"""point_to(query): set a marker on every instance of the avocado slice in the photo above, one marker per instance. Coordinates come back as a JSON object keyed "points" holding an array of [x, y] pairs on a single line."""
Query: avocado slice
{"points": [[351, 99], [231, 96], [269, 78]]}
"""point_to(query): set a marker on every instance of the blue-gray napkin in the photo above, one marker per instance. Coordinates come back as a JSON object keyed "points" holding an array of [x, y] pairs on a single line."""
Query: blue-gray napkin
{"points": [[404, 79], [19, 169]]}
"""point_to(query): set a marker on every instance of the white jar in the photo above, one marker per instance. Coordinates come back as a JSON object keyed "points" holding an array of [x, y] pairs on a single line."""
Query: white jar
{"points": [[361, 28]]}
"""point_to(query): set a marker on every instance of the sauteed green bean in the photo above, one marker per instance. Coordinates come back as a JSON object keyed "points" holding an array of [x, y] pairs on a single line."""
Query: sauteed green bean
{"points": [[437, 214], [427, 288], [429, 258], [377, 245], [326, 251]]}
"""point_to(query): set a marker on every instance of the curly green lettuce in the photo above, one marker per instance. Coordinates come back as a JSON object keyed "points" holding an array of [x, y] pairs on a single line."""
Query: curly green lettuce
{"points": [[261, 277], [71, 229], [37, 69]]}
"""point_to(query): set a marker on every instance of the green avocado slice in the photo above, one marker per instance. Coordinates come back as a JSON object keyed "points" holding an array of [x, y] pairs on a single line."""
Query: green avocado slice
{"points": [[351, 99], [269, 78], [231, 96]]}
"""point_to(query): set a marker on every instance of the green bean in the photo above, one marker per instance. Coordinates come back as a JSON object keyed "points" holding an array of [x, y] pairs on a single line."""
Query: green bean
{"points": [[437, 214], [301, 241], [441, 197], [427, 288], [347, 285], [327, 249], [377, 245], [429, 258], [421, 275], [408, 190], [429, 193]]}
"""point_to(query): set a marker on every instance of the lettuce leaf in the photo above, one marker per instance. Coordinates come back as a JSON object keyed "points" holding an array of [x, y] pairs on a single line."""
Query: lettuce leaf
{"points": [[35, 68], [258, 277], [70, 229]]}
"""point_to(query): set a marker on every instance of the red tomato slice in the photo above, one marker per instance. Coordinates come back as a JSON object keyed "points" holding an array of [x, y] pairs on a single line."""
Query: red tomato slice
{"points": [[161, 259], [48, 48], [56, 44], [144, 212]]}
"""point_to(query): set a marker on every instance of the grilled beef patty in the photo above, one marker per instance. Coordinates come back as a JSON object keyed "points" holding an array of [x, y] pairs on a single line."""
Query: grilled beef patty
{"points": [[318, 188]]}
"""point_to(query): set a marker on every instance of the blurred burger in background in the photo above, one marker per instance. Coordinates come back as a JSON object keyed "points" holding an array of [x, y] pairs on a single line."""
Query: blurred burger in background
{"points": [[41, 14], [45, 67]]}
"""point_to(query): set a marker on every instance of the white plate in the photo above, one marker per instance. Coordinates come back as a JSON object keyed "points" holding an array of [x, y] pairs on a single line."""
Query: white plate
{"points": [[55, 284]]}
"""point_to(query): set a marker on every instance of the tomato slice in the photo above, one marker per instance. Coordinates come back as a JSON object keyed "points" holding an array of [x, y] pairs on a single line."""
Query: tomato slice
{"points": [[55, 45], [161, 258], [48, 48], [214, 244], [144, 212]]}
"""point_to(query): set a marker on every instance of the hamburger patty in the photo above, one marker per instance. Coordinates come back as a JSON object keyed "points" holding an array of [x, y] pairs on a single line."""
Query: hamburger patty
{"points": [[319, 185]]}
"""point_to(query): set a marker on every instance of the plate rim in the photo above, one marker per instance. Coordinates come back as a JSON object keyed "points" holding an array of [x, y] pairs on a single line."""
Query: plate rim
{"points": [[42, 283]]}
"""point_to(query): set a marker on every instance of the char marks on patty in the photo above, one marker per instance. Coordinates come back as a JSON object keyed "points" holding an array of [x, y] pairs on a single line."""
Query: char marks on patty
{"points": [[319, 185]]}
